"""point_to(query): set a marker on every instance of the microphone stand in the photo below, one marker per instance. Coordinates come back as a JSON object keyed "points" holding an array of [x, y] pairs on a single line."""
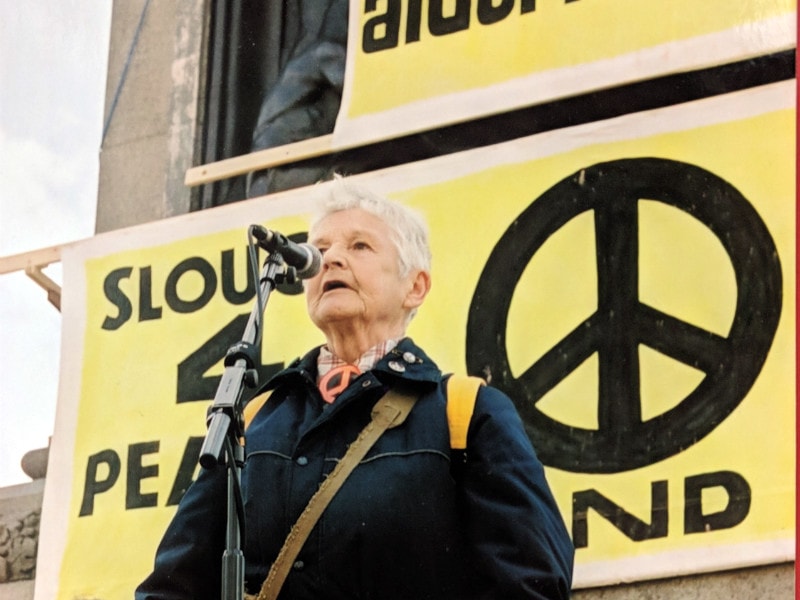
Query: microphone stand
{"points": [[226, 426]]}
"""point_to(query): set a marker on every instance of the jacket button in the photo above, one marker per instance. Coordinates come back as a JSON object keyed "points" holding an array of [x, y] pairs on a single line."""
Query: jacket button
{"points": [[298, 565], [302, 461]]}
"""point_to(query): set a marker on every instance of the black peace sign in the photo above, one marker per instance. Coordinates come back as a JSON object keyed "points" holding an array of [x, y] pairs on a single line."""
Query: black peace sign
{"points": [[623, 440]]}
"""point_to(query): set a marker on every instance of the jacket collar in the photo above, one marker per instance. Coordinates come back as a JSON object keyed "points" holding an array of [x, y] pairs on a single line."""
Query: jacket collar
{"points": [[405, 361], [408, 361]]}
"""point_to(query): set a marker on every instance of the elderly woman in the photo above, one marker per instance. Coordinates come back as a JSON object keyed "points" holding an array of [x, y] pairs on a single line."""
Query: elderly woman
{"points": [[409, 522]]}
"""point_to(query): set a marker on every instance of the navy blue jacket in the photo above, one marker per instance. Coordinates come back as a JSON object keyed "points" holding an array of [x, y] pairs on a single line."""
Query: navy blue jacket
{"points": [[409, 523]]}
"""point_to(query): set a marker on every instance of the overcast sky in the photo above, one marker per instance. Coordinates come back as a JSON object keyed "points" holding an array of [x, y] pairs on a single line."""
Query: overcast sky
{"points": [[53, 56]]}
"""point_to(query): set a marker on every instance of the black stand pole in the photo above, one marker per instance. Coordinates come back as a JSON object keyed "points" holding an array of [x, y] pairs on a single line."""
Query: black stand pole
{"points": [[226, 429]]}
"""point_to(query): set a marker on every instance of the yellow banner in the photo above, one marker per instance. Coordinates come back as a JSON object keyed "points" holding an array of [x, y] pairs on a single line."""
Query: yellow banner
{"points": [[669, 441], [417, 64]]}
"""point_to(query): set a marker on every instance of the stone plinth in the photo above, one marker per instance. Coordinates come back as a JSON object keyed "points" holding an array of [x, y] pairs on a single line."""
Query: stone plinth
{"points": [[20, 513]]}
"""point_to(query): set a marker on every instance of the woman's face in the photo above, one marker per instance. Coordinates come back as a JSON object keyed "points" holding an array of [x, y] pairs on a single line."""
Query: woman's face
{"points": [[359, 284]]}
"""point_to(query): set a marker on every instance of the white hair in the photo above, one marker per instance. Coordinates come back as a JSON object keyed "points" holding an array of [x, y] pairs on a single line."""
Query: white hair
{"points": [[409, 230]]}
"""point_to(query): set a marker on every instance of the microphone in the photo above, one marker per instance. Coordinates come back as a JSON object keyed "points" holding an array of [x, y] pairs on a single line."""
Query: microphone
{"points": [[305, 258]]}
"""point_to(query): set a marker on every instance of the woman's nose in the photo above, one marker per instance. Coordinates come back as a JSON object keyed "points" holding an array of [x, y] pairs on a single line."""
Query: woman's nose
{"points": [[333, 256]]}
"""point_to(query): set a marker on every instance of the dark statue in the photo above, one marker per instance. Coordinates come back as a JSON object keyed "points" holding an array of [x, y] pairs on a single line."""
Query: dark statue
{"points": [[304, 101], [276, 77]]}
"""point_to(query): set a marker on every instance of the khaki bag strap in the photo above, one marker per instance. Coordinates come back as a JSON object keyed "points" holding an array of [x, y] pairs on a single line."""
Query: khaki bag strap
{"points": [[462, 392], [390, 411]]}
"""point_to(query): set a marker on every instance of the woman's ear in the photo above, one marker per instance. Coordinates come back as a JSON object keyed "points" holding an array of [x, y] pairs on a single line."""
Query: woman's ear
{"points": [[418, 290]]}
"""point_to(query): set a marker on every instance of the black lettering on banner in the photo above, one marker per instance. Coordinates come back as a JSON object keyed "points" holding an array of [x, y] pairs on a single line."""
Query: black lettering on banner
{"points": [[229, 291], [488, 13], [92, 485], [439, 24], [382, 30], [118, 298], [186, 470], [622, 323], [738, 507], [206, 271], [633, 527], [136, 472], [146, 310], [193, 384], [227, 275], [413, 21], [695, 519]]}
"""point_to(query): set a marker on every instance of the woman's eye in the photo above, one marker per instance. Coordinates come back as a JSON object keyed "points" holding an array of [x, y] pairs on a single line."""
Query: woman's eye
{"points": [[361, 246]]}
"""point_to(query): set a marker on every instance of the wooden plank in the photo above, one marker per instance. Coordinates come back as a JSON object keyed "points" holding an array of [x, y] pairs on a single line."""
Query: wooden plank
{"points": [[262, 159], [34, 258], [51, 287]]}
